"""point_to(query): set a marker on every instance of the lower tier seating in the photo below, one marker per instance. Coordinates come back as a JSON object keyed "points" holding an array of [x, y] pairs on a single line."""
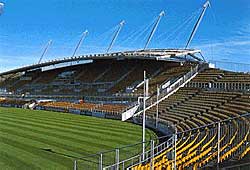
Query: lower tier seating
{"points": [[108, 108], [196, 113]]}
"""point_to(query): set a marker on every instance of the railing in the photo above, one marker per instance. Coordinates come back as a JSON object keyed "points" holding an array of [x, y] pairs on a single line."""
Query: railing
{"points": [[231, 66], [117, 160], [138, 159], [181, 82], [165, 92], [225, 86], [104, 159]]}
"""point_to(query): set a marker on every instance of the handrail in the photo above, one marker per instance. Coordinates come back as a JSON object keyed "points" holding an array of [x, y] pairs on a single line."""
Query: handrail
{"points": [[172, 88], [165, 143]]}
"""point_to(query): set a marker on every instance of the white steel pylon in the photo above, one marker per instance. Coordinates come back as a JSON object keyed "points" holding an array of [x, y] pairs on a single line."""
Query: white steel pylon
{"points": [[162, 13], [115, 36], [85, 33], [196, 26]]}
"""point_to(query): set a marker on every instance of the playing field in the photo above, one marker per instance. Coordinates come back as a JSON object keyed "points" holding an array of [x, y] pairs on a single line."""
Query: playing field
{"points": [[51, 140]]}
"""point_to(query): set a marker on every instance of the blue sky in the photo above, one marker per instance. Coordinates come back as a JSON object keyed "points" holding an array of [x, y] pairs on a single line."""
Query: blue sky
{"points": [[27, 25]]}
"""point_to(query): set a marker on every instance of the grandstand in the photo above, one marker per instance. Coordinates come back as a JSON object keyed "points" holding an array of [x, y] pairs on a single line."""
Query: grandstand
{"points": [[200, 113], [195, 108], [193, 98]]}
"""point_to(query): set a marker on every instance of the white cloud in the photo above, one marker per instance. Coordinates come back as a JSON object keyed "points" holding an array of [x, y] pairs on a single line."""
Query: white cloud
{"points": [[223, 44]]}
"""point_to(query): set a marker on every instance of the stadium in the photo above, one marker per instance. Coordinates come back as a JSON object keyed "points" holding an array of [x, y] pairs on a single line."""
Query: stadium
{"points": [[145, 109]]}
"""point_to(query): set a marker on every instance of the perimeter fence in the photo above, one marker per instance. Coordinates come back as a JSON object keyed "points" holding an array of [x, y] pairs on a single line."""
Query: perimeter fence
{"points": [[216, 143]]}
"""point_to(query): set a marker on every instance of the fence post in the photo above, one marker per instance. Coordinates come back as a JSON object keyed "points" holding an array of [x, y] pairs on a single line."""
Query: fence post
{"points": [[218, 155], [100, 161], [75, 165], [123, 166], [117, 158], [175, 138], [140, 160], [152, 155]]}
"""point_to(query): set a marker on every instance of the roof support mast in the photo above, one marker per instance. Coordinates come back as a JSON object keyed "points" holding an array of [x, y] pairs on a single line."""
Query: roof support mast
{"points": [[154, 28], [205, 6], [115, 36], [85, 33], [45, 51]]}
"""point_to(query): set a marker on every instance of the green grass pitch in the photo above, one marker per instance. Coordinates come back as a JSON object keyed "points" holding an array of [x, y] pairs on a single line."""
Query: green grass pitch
{"points": [[51, 140]]}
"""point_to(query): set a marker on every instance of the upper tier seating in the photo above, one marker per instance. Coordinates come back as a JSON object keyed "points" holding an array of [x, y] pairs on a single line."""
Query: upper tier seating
{"points": [[102, 77], [221, 79], [208, 75], [167, 74]]}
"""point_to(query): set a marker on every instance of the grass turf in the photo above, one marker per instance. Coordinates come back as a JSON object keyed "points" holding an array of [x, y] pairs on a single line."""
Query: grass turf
{"points": [[52, 140]]}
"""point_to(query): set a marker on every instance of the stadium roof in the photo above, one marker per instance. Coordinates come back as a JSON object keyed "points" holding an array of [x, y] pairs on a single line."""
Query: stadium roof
{"points": [[153, 54]]}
